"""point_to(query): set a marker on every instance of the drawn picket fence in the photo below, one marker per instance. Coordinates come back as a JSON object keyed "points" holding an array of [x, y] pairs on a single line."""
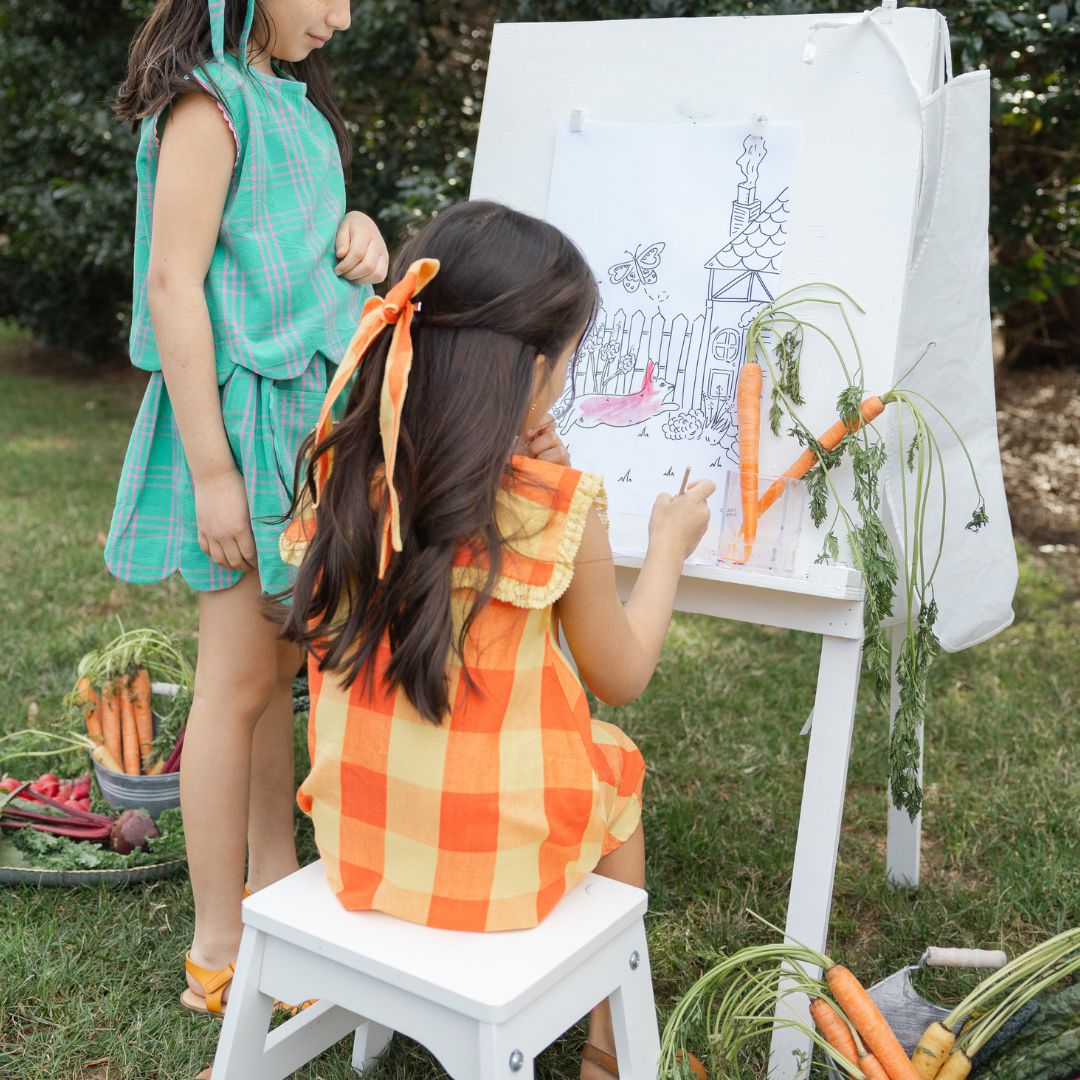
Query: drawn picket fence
{"points": [[675, 348]]}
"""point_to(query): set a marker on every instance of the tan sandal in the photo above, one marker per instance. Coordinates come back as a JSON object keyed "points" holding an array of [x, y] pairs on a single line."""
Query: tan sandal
{"points": [[214, 985]]}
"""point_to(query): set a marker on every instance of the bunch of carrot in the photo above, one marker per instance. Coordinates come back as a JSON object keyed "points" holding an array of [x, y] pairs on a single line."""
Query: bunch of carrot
{"points": [[112, 699], [120, 722], [744, 997]]}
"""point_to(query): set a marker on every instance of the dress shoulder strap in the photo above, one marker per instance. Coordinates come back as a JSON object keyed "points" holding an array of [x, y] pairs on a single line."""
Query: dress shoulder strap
{"points": [[541, 514]]}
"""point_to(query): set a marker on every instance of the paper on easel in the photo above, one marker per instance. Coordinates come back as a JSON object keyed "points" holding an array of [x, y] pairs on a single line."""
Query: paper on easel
{"points": [[684, 226]]}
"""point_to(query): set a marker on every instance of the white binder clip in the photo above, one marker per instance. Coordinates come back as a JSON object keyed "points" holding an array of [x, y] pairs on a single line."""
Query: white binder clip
{"points": [[757, 124], [577, 119]]}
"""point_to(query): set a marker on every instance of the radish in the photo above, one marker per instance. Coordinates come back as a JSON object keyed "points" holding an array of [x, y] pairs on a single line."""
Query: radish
{"points": [[131, 830], [46, 784], [73, 820]]}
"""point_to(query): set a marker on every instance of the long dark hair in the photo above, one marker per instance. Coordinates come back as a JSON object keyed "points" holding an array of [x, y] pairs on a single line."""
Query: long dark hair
{"points": [[175, 40], [510, 287]]}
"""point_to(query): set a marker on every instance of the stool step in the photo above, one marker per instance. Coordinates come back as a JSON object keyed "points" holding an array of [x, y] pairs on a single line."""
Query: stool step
{"points": [[484, 975]]}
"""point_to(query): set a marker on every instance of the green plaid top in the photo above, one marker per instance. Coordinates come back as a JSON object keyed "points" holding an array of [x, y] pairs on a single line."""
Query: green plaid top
{"points": [[282, 320], [271, 290]]}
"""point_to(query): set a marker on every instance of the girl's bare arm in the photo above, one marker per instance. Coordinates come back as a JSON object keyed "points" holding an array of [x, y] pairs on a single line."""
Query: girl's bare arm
{"points": [[195, 170], [616, 648]]}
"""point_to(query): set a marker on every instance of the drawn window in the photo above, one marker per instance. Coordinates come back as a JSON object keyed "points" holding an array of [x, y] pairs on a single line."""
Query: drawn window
{"points": [[725, 345], [719, 384]]}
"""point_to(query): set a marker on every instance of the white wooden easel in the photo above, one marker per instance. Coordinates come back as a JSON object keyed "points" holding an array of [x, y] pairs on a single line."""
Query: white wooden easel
{"points": [[828, 603], [882, 146]]}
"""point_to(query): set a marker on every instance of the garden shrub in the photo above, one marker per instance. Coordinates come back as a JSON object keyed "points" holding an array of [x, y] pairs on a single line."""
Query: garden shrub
{"points": [[410, 75]]}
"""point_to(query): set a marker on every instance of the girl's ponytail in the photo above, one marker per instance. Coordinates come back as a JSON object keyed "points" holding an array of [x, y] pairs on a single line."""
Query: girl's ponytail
{"points": [[510, 287]]}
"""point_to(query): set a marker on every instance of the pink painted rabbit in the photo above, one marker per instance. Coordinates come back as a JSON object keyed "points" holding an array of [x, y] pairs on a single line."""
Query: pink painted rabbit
{"points": [[621, 410]]}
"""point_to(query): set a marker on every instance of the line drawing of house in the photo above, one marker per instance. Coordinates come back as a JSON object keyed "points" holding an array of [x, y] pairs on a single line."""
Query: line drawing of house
{"points": [[743, 275], [699, 355]]}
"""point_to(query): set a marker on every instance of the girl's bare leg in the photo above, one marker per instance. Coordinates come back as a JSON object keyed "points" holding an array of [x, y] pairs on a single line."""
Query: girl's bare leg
{"points": [[627, 864], [235, 680], [271, 837]]}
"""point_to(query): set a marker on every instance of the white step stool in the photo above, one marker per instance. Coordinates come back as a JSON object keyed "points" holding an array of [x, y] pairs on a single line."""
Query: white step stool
{"points": [[484, 1004]]}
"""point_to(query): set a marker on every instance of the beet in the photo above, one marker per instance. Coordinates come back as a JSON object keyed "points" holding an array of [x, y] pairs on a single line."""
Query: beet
{"points": [[131, 830]]}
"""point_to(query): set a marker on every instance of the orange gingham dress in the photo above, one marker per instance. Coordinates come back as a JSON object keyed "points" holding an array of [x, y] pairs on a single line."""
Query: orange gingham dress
{"points": [[486, 821]]}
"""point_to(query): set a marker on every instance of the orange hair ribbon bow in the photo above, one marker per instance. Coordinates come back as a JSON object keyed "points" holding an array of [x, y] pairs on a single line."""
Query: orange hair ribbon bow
{"points": [[396, 310]]}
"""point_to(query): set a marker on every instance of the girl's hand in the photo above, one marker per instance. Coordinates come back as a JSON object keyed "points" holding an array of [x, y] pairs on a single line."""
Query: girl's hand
{"points": [[221, 510], [543, 442], [679, 522], [361, 250]]}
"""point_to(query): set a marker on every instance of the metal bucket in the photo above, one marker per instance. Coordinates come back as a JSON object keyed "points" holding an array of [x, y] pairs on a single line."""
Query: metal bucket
{"points": [[908, 1013], [150, 793]]}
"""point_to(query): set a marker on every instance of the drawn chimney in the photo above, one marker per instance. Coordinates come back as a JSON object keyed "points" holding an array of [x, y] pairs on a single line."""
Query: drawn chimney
{"points": [[747, 206]]}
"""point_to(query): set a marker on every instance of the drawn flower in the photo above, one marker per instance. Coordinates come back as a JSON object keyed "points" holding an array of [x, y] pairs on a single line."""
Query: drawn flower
{"points": [[591, 341], [608, 352], [685, 425]]}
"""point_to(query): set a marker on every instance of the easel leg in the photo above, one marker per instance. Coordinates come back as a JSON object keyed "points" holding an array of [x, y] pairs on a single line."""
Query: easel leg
{"points": [[905, 836], [819, 832]]}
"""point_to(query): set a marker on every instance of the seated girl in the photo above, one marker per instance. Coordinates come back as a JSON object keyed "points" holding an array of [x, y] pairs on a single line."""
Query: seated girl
{"points": [[457, 778]]}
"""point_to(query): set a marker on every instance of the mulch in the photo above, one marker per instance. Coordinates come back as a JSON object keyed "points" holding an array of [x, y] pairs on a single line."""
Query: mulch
{"points": [[1039, 431]]}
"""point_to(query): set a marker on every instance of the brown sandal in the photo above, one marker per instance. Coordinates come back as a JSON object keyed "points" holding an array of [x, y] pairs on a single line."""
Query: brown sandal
{"points": [[601, 1059], [607, 1062]]}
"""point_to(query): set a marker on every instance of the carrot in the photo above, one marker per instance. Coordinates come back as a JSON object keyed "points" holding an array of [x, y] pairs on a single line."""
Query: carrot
{"points": [[85, 692], [934, 1047], [870, 409], [110, 721], [872, 1067], [956, 1068], [748, 401], [155, 768], [833, 1029], [144, 717], [693, 1063], [869, 1023], [102, 756], [129, 733]]}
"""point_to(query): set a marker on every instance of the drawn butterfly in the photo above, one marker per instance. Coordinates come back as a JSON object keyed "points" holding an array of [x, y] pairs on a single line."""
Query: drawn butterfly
{"points": [[639, 270]]}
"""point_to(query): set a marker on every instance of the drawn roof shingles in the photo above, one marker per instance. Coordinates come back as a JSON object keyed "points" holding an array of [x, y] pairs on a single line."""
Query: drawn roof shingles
{"points": [[759, 244]]}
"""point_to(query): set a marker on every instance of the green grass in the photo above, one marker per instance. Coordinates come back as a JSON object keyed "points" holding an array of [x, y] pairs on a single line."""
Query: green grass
{"points": [[89, 979]]}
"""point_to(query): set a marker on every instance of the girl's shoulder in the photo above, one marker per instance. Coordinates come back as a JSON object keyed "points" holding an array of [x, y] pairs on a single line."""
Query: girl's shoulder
{"points": [[546, 488], [541, 513]]}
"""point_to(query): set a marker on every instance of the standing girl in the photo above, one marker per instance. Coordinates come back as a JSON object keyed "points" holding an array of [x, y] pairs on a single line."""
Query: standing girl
{"points": [[249, 280], [457, 778]]}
